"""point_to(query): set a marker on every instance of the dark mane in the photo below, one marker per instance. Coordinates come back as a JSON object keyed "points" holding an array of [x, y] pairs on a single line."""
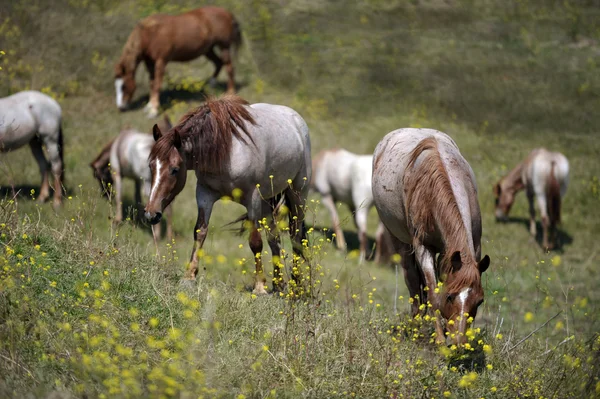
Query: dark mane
{"points": [[430, 202], [209, 131]]}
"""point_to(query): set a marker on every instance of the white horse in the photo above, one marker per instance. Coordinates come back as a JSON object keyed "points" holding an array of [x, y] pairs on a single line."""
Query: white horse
{"points": [[545, 176], [426, 195], [33, 118], [339, 175], [127, 157], [260, 150]]}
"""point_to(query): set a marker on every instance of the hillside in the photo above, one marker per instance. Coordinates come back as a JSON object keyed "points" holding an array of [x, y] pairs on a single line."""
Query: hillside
{"points": [[86, 310]]}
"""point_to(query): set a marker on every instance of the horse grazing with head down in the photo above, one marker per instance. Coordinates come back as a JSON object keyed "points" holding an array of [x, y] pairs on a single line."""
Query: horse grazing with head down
{"points": [[262, 150], [159, 39], [426, 195], [33, 118], [126, 156], [545, 176], [339, 175]]}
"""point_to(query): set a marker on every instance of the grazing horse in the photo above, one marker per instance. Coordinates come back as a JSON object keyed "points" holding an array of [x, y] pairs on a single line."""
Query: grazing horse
{"points": [[542, 174], [33, 118], [262, 150], [426, 195], [339, 175], [159, 39], [127, 156]]}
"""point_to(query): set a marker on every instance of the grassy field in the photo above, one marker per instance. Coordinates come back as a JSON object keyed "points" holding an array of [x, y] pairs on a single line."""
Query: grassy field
{"points": [[86, 310]]}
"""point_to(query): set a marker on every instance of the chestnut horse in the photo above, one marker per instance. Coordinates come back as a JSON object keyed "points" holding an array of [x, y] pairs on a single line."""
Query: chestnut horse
{"points": [[339, 175], [426, 196], [159, 39], [262, 150], [33, 118], [545, 176]]}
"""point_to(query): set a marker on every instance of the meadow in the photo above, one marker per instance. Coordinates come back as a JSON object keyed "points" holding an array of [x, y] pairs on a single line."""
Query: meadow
{"points": [[87, 310]]}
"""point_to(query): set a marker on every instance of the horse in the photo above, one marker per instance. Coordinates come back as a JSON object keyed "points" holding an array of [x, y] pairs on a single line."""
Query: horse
{"points": [[339, 175], [545, 176], [127, 156], [426, 196], [261, 151], [31, 117], [159, 39]]}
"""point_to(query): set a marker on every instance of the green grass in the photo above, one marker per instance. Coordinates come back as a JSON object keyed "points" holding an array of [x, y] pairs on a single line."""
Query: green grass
{"points": [[98, 315]]}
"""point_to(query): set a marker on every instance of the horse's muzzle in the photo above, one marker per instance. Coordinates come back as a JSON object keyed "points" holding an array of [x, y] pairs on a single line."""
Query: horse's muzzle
{"points": [[153, 219]]}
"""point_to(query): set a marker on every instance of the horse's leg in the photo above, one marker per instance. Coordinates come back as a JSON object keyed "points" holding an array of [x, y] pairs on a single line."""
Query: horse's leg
{"points": [[118, 190], [150, 67], [38, 153], [426, 259], [380, 242], [256, 245], [215, 59], [226, 57], [159, 72], [275, 244], [329, 203], [205, 201], [169, 215], [360, 219], [543, 205], [56, 161], [532, 227], [412, 277], [296, 200]]}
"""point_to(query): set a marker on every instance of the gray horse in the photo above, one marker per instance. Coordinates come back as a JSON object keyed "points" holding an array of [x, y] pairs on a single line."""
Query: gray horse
{"points": [[33, 118], [260, 151]]}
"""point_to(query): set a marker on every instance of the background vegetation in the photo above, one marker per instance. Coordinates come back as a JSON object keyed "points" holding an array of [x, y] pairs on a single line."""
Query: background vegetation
{"points": [[86, 310]]}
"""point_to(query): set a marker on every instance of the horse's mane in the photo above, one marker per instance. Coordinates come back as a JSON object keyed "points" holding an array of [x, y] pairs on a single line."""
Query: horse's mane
{"points": [[132, 49], [210, 130], [430, 201], [102, 160]]}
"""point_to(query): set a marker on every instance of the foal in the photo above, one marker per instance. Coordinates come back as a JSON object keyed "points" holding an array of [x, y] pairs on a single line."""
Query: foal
{"points": [[339, 175], [426, 196], [159, 39], [545, 176]]}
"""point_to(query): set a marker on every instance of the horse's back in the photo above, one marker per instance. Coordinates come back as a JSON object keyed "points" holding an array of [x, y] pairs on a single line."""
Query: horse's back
{"points": [[25, 114]]}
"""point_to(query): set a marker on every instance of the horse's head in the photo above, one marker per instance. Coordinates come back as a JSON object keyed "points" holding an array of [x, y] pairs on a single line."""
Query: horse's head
{"points": [[461, 295], [124, 85], [505, 197], [104, 177], [168, 166]]}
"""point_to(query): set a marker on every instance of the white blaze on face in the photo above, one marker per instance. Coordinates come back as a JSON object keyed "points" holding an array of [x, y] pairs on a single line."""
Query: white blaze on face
{"points": [[462, 298], [119, 90], [156, 179]]}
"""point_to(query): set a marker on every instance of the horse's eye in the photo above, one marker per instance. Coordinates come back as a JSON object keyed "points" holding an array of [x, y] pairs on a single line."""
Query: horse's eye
{"points": [[174, 171], [479, 303], [450, 298]]}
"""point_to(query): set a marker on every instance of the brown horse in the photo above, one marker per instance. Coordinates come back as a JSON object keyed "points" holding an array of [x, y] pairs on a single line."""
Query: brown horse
{"points": [[261, 149], [426, 195], [160, 38], [543, 175]]}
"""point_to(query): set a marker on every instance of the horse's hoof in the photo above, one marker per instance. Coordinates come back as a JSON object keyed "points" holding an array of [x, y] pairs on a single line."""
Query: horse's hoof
{"points": [[152, 113], [259, 290]]}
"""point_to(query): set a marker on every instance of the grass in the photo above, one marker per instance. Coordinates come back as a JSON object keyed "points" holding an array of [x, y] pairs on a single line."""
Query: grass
{"points": [[86, 310]]}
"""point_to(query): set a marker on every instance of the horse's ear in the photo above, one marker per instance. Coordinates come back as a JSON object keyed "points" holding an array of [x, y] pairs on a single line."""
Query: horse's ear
{"points": [[497, 189], [176, 139], [456, 261], [484, 264], [156, 132]]}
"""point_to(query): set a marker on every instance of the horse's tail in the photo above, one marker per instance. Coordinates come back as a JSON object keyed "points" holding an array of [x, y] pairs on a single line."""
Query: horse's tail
{"points": [[61, 153], [236, 36], [553, 196]]}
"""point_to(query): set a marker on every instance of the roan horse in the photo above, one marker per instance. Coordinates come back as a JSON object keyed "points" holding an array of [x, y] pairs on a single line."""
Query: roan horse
{"points": [[339, 175], [127, 156], [159, 39], [261, 149], [33, 118], [426, 195], [542, 174]]}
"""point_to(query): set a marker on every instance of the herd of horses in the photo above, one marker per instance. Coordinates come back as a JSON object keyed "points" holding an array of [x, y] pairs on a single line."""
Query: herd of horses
{"points": [[422, 187]]}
